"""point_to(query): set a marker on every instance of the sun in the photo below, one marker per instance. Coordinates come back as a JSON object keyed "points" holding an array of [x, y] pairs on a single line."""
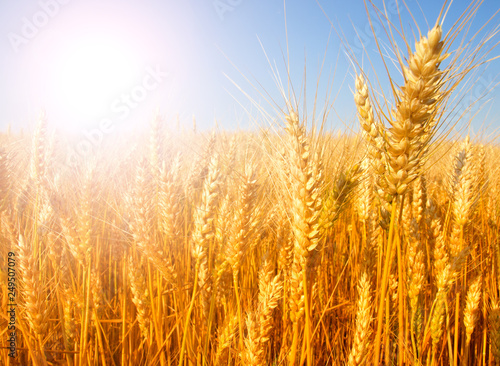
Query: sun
{"points": [[91, 71]]}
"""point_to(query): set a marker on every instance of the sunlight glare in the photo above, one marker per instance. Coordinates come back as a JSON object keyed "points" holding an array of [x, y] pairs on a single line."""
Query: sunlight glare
{"points": [[91, 72]]}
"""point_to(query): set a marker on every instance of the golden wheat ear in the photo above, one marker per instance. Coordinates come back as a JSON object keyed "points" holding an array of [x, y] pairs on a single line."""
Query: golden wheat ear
{"points": [[471, 308], [35, 308], [139, 289], [494, 330], [362, 332], [418, 104]]}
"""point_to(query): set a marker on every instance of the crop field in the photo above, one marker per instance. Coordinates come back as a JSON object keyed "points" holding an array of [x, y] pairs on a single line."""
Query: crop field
{"points": [[284, 245]]}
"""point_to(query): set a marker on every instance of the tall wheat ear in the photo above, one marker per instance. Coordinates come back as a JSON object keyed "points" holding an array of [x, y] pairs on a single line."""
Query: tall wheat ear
{"points": [[414, 118], [372, 133], [35, 308], [362, 332], [494, 330], [143, 223], [242, 229], [38, 162], [137, 278], [270, 289], [412, 125], [305, 202], [225, 339], [202, 234], [471, 307]]}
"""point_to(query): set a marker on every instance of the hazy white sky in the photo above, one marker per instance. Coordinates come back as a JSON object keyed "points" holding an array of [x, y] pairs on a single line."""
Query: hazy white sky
{"points": [[94, 60]]}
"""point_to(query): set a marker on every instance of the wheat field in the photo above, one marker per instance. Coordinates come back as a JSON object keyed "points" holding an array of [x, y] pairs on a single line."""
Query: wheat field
{"points": [[288, 245]]}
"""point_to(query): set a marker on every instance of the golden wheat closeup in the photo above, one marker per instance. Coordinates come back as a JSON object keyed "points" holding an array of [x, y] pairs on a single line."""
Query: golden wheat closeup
{"points": [[290, 247]]}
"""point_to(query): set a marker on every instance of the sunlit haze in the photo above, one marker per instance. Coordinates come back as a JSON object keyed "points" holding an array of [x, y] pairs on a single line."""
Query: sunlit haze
{"points": [[85, 61]]}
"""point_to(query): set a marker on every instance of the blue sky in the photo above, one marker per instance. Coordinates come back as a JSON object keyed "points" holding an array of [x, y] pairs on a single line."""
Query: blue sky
{"points": [[208, 59]]}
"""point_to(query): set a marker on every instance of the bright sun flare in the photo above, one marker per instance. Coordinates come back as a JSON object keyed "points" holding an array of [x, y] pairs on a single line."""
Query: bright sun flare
{"points": [[91, 72]]}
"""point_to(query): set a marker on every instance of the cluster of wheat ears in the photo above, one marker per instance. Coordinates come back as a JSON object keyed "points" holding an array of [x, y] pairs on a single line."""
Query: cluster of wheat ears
{"points": [[257, 248]]}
